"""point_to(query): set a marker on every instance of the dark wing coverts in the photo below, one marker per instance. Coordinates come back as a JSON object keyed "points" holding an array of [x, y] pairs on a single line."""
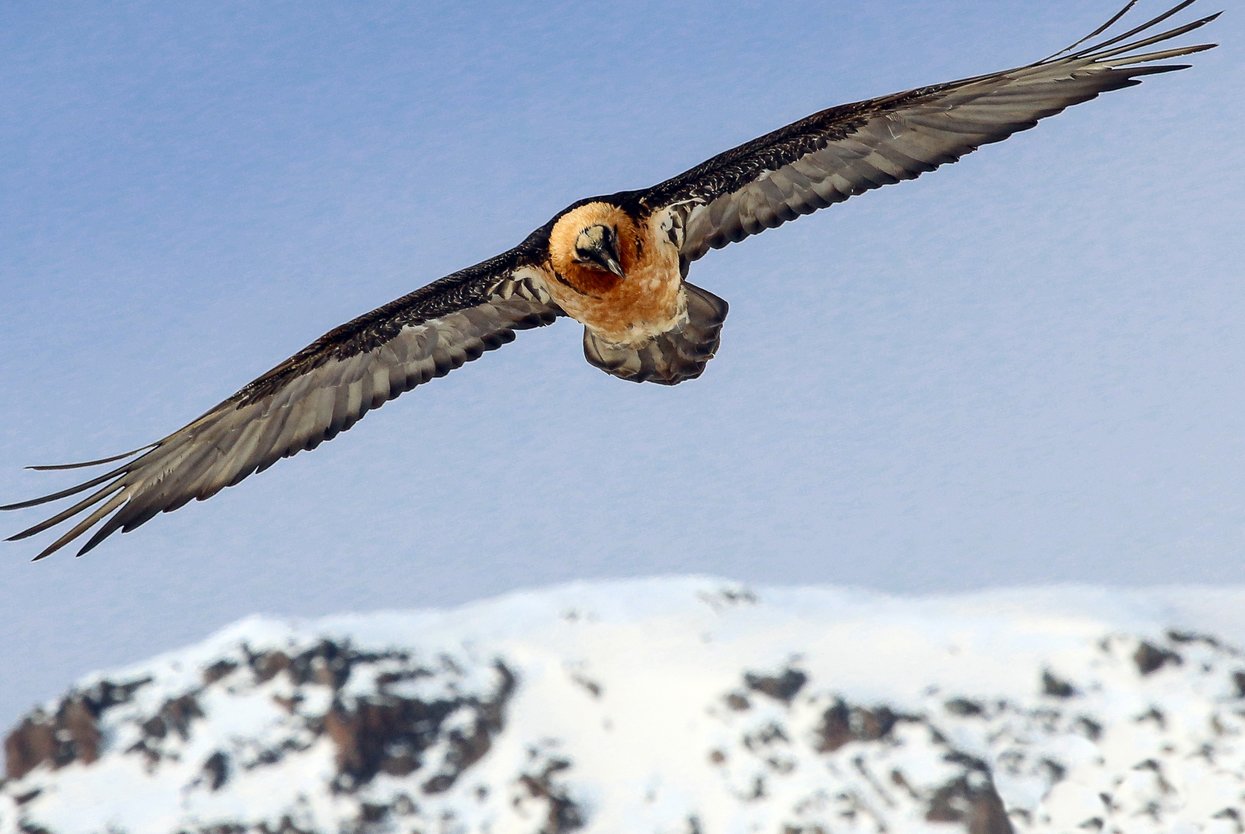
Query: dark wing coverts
{"points": [[847, 150], [311, 397]]}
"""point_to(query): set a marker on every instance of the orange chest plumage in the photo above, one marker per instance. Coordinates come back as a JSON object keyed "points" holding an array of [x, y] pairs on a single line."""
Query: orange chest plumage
{"points": [[647, 302]]}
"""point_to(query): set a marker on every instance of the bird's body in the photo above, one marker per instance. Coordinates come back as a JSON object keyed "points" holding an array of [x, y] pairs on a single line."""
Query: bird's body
{"points": [[616, 264], [631, 310]]}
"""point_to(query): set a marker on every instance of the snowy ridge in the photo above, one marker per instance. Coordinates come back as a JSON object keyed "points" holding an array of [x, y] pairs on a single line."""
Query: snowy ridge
{"points": [[679, 706]]}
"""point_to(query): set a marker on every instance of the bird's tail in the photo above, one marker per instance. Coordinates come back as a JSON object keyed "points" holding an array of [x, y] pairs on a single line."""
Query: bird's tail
{"points": [[671, 357]]}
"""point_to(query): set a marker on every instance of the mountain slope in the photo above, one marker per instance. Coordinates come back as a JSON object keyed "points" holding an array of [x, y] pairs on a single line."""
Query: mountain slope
{"points": [[673, 705]]}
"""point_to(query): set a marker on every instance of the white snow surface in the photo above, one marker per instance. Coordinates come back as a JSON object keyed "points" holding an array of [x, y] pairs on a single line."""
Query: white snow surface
{"points": [[632, 709]]}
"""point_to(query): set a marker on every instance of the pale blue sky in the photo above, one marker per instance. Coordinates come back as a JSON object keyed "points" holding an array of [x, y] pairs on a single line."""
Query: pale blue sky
{"points": [[1023, 369]]}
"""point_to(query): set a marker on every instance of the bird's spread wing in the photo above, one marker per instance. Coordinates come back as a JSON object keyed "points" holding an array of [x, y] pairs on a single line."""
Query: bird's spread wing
{"points": [[847, 150], [311, 397]]}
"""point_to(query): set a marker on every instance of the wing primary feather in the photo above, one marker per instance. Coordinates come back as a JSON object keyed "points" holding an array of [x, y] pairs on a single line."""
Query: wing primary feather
{"points": [[67, 513], [88, 463], [1135, 75], [73, 490], [103, 532], [135, 518], [1104, 27], [1100, 57], [82, 526], [1093, 50], [109, 527]]}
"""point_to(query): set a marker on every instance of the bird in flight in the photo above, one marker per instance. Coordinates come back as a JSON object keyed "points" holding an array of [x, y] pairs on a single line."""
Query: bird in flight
{"points": [[616, 264]]}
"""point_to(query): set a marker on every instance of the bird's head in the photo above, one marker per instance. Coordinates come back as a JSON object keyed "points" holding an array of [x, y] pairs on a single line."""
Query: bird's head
{"points": [[596, 247]]}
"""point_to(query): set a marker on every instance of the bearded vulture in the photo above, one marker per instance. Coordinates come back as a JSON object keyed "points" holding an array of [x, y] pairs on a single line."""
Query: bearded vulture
{"points": [[616, 264]]}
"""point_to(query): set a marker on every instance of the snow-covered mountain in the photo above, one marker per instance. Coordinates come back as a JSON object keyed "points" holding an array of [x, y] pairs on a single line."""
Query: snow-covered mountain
{"points": [[679, 706]]}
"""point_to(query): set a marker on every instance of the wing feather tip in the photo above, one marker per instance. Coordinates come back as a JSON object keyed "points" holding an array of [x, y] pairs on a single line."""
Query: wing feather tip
{"points": [[93, 542], [50, 549], [60, 467], [33, 502]]}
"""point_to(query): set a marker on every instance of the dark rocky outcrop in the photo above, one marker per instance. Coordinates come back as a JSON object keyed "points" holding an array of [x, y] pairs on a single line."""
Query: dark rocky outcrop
{"points": [[389, 734], [564, 815], [971, 801], [1150, 658], [70, 734], [783, 686], [842, 723], [1056, 687]]}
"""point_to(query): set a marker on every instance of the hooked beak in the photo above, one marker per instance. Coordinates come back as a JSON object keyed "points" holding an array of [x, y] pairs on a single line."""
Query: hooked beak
{"points": [[609, 262], [598, 246]]}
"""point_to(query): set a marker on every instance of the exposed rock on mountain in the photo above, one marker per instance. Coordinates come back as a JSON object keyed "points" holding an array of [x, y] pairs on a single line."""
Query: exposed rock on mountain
{"points": [[672, 706]]}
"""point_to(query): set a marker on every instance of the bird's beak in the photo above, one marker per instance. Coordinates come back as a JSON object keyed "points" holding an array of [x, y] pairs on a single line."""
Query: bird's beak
{"points": [[611, 263], [598, 246], [606, 258]]}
